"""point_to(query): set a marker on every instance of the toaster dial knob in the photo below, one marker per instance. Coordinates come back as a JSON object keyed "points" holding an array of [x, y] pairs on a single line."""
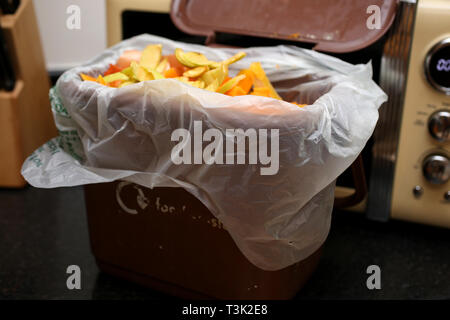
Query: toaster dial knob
{"points": [[436, 168], [439, 125]]}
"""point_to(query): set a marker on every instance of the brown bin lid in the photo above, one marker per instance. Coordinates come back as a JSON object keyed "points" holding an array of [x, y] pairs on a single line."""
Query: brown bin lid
{"points": [[333, 25]]}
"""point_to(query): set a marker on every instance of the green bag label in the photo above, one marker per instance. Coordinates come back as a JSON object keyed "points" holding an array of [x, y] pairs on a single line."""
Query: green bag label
{"points": [[56, 103], [70, 142]]}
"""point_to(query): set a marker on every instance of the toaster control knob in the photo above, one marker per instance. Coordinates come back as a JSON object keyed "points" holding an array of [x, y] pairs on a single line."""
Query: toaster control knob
{"points": [[439, 125], [436, 168]]}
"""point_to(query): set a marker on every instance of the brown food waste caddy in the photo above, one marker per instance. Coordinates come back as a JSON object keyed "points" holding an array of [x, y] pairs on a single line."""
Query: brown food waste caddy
{"points": [[167, 239], [176, 245]]}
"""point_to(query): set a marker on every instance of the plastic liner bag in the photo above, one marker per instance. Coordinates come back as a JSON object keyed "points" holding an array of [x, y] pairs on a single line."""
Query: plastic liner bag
{"points": [[275, 219]]}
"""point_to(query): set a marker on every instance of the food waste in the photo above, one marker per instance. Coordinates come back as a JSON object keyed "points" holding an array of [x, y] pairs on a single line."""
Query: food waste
{"points": [[192, 68]]}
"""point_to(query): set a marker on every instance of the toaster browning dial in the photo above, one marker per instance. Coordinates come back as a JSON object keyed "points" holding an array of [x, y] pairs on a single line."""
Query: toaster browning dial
{"points": [[439, 125], [436, 168]]}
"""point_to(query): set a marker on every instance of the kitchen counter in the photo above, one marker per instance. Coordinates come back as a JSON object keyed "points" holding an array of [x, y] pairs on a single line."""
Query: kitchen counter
{"points": [[42, 232]]}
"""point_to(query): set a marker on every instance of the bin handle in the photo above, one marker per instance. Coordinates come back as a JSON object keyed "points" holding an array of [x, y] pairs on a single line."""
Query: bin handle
{"points": [[359, 179]]}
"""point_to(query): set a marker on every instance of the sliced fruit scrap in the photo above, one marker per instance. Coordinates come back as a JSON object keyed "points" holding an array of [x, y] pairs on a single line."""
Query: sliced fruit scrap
{"points": [[101, 80], [163, 66], [238, 56], [115, 76], [128, 72], [213, 85], [192, 59], [127, 57], [219, 73], [197, 83], [172, 73], [151, 56], [177, 65], [112, 69], [195, 72], [236, 91], [155, 74], [126, 83], [140, 73], [247, 83], [85, 77], [261, 80], [231, 83], [261, 91], [114, 84]]}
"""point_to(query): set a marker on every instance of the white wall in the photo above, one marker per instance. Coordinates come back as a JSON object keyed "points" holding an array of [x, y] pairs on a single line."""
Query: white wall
{"points": [[65, 48]]}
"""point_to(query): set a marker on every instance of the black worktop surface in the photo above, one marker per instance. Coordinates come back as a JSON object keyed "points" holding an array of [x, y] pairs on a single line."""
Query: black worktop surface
{"points": [[44, 231]]}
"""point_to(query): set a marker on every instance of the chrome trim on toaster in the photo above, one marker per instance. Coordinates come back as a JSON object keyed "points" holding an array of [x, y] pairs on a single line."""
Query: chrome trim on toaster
{"points": [[393, 76]]}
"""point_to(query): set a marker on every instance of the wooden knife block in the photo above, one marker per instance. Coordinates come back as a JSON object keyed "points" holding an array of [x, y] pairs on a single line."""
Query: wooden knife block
{"points": [[26, 120]]}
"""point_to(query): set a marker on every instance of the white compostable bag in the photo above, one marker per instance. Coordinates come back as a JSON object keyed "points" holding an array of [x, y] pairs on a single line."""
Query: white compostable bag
{"points": [[276, 220]]}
